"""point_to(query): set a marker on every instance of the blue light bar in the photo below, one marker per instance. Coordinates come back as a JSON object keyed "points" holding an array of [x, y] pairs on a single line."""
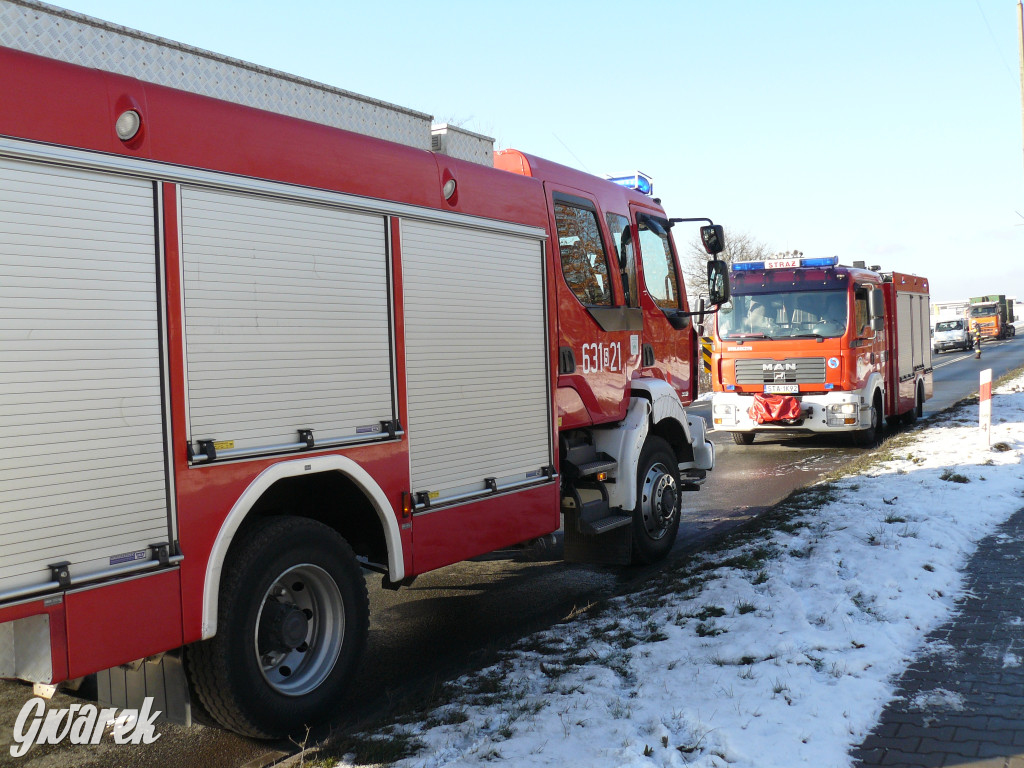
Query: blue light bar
{"points": [[752, 266], [825, 261], [641, 182]]}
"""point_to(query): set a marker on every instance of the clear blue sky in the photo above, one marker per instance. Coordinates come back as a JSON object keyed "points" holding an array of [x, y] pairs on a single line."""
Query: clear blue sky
{"points": [[876, 130]]}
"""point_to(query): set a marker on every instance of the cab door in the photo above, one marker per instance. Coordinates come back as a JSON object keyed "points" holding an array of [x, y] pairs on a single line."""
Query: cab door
{"points": [[669, 336], [598, 333]]}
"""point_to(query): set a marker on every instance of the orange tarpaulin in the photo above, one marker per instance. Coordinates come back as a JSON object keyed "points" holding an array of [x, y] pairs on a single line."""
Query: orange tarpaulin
{"points": [[774, 408]]}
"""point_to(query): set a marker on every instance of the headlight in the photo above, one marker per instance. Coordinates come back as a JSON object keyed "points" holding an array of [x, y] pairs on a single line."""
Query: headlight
{"points": [[723, 414], [845, 408]]}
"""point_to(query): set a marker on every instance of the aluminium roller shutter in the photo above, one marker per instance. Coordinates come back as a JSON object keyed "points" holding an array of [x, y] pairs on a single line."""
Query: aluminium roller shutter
{"points": [[287, 319], [82, 463], [476, 357]]}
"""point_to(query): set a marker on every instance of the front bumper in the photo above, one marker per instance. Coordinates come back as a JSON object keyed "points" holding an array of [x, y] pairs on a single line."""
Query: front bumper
{"points": [[820, 413]]}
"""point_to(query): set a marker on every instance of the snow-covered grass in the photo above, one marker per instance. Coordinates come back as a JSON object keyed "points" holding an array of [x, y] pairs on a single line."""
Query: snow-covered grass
{"points": [[779, 649]]}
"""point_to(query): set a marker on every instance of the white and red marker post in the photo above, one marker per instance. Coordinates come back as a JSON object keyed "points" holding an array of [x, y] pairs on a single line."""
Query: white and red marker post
{"points": [[985, 404]]}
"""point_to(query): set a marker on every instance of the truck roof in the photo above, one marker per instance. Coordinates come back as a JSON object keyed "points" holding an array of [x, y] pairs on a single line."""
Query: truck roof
{"points": [[612, 196], [55, 33]]}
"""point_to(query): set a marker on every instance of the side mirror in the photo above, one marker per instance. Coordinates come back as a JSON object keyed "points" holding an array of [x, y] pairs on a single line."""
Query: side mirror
{"points": [[713, 238], [876, 304], [718, 281], [876, 308]]}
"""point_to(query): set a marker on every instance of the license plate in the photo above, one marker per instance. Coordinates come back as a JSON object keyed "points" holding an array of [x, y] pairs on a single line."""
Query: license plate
{"points": [[781, 389]]}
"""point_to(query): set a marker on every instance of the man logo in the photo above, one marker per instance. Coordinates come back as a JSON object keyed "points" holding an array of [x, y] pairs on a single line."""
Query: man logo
{"points": [[778, 367]]}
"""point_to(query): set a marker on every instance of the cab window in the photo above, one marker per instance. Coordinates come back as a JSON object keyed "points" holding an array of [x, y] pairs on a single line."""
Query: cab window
{"points": [[584, 261], [659, 265], [618, 225], [861, 316]]}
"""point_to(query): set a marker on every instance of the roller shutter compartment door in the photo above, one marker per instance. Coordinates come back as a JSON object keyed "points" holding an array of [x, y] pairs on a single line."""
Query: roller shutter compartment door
{"points": [[905, 323], [476, 357], [287, 320], [82, 463]]}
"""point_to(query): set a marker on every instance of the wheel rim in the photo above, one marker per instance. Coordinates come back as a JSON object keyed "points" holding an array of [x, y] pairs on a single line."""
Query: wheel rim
{"points": [[299, 630], [660, 499]]}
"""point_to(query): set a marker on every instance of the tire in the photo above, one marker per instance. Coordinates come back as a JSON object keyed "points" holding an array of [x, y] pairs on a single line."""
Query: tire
{"points": [[868, 438], [743, 438], [917, 411], [291, 627], [658, 505]]}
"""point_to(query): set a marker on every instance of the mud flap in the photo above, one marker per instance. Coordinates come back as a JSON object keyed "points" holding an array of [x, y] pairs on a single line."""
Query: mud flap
{"points": [[127, 686]]}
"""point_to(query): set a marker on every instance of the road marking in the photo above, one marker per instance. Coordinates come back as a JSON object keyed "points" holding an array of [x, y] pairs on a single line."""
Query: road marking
{"points": [[965, 356]]}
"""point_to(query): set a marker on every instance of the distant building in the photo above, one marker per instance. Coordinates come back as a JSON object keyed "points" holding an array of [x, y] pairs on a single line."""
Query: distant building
{"points": [[949, 310]]}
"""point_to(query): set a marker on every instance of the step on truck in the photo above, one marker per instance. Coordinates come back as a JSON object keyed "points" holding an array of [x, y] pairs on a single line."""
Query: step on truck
{"points": [[263, 337], [809, 346]]}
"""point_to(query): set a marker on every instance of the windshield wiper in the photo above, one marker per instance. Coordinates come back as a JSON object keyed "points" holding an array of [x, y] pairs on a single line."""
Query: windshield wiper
{"points": [[751, 336], [819, 336]]}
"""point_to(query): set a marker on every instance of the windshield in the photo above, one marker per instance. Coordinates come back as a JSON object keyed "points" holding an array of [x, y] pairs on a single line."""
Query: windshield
{"points": [[950, 325], [798, 314], [981, 310]]}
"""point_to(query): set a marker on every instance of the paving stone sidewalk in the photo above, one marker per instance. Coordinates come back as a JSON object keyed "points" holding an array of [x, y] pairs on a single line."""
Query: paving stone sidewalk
{"points": [[962, 702]]}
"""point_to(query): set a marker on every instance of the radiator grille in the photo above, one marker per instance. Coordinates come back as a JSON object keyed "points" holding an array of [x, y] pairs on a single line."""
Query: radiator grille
{"points": [[799, 370]]}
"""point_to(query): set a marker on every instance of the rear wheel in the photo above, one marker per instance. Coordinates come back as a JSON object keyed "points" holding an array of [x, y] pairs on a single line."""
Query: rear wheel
{"points": [[743, 438], [291, 627], [656, 515], [911, 416]]}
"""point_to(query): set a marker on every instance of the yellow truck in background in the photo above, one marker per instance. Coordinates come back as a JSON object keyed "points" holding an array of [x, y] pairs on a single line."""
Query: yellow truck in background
{"points": [[992, 315]]}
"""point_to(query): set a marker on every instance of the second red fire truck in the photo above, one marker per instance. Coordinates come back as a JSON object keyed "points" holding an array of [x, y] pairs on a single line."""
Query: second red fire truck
{"points": [[809, 346]]}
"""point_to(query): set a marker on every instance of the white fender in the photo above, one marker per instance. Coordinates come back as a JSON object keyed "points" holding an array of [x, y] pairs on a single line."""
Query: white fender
{"points": [[256, 489], [664, 402], [624, 443], [875, 382], [665, 405]]}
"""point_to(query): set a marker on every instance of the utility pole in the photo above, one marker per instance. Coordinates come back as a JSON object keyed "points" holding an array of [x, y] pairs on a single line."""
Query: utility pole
{"points": [[1020, 50]]}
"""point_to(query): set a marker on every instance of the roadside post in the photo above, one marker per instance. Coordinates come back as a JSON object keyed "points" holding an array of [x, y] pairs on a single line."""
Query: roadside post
{"points": [[985, 403]]}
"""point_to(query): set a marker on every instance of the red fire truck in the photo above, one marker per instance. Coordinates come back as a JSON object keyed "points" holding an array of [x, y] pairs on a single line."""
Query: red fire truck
{"points": [[250, 357], [809, 346]]}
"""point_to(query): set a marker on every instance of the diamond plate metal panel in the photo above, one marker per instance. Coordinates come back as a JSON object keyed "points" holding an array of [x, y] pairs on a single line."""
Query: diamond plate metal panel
{"points": [[463, 144], [46, 30]]}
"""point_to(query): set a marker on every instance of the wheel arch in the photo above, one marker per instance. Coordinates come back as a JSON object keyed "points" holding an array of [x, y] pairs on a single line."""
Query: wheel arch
{"points": [[876, 388], [312, 475], [668, 417]]}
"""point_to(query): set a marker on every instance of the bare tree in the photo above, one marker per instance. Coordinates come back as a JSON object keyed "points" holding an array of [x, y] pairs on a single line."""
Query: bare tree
{"points": [[693, 260]]}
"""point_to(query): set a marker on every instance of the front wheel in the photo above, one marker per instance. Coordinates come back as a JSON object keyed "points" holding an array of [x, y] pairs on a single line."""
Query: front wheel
{"points": [[868, 437], [291, 627], [743, 438], [656, 515]]}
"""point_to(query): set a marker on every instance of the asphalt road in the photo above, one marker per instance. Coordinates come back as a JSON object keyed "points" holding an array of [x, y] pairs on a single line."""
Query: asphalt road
{"points": [[456, 619]]}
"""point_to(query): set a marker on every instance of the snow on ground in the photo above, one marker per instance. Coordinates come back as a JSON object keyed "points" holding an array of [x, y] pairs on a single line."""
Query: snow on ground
{"points": [[780, 651]]}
